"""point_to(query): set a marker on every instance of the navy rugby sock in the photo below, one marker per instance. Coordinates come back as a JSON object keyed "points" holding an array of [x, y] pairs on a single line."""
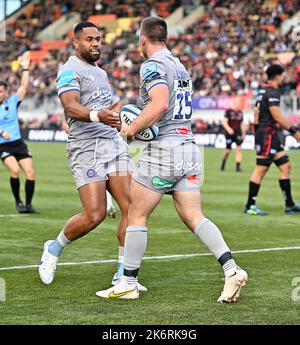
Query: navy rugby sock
{"points": [[29, 190], [15, 187]]}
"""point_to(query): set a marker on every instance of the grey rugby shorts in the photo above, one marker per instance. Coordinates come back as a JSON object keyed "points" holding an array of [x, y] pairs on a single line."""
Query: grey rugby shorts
{"points": [[93, 160], [168, 166]]}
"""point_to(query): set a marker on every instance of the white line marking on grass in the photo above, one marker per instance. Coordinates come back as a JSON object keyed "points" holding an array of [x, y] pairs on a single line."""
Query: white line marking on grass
{"points": [[162, 257], [13, 215]]}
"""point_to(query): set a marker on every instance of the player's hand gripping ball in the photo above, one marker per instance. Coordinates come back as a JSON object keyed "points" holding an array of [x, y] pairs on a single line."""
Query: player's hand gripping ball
{"points": [[128, 113]]}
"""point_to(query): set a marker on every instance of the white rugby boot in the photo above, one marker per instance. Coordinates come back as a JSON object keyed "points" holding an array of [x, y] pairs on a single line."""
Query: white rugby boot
{"points": [[122, 290], [47, 265], [233, 285]]}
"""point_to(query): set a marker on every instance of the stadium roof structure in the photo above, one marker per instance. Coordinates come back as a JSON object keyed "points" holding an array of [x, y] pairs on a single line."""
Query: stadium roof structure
{"points": [[8, 7]]}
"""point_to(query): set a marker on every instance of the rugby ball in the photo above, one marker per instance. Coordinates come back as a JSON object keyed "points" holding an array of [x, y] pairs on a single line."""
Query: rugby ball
{"points": [[128, 113]]}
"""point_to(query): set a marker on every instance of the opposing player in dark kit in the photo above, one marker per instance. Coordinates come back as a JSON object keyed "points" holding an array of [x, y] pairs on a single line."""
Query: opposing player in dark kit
{"points": [[235, 132], [268, 121]]}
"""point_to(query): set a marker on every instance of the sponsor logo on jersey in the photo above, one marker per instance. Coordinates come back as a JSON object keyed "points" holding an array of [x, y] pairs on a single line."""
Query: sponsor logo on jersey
{"points": [[91, 173], [102, 93], [183, 131], [187, 166], [193, 179], [161, 183], [103, 99], [149, 70]]}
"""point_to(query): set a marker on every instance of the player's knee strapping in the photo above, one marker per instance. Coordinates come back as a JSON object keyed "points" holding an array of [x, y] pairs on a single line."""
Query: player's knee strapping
{"points": [[266, 162], [135, 246], [282, 160], [228, 144]]}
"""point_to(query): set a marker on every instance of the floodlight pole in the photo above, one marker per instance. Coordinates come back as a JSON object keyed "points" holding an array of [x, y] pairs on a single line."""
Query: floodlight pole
{"points": [[5, 8]]}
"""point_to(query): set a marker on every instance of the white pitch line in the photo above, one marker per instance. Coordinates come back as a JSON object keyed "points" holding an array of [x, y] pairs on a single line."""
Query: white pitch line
{"points": [[13, 215], [163, 257]]}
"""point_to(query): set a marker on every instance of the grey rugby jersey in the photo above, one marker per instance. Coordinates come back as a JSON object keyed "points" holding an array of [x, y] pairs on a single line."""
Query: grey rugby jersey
{"points": [[164, 68], [95, 93]]}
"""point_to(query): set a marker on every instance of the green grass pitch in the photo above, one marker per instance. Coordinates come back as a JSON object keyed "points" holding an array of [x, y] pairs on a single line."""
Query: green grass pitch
{"points": [[182, 290]]}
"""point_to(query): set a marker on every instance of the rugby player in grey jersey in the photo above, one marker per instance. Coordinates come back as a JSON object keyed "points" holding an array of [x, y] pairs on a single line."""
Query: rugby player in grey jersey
{"points": [[98, 157], [170, 164]]}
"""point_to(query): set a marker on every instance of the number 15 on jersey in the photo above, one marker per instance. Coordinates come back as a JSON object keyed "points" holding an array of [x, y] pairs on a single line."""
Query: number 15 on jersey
{"points": [[183, 102]]}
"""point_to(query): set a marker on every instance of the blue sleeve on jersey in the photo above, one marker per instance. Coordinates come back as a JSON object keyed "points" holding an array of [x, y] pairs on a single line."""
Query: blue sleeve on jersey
{"points": [[67, 90], [15, 100], [152, 74], [158, 83], [148, 71], [65, 78]]}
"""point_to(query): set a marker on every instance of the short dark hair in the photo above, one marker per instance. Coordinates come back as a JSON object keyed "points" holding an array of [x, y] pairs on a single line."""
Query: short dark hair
{"points": [[4, 84], [80, 26], [154, 28], [274, 70]]}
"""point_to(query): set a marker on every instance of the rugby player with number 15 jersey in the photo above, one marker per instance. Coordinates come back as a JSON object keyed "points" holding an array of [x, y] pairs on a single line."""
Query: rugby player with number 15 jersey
{"points": [[170, 164]]}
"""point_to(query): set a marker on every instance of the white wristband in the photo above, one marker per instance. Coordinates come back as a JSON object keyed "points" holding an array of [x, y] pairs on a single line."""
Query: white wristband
{"points": [[94, 116]]}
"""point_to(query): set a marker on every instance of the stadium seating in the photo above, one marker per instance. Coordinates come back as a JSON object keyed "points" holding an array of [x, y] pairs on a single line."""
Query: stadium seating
{"points": [[225, 50]]}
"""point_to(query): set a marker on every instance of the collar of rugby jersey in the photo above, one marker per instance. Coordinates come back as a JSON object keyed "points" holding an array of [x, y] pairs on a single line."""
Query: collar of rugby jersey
{"points": [[162, 50], [79, 60]]}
